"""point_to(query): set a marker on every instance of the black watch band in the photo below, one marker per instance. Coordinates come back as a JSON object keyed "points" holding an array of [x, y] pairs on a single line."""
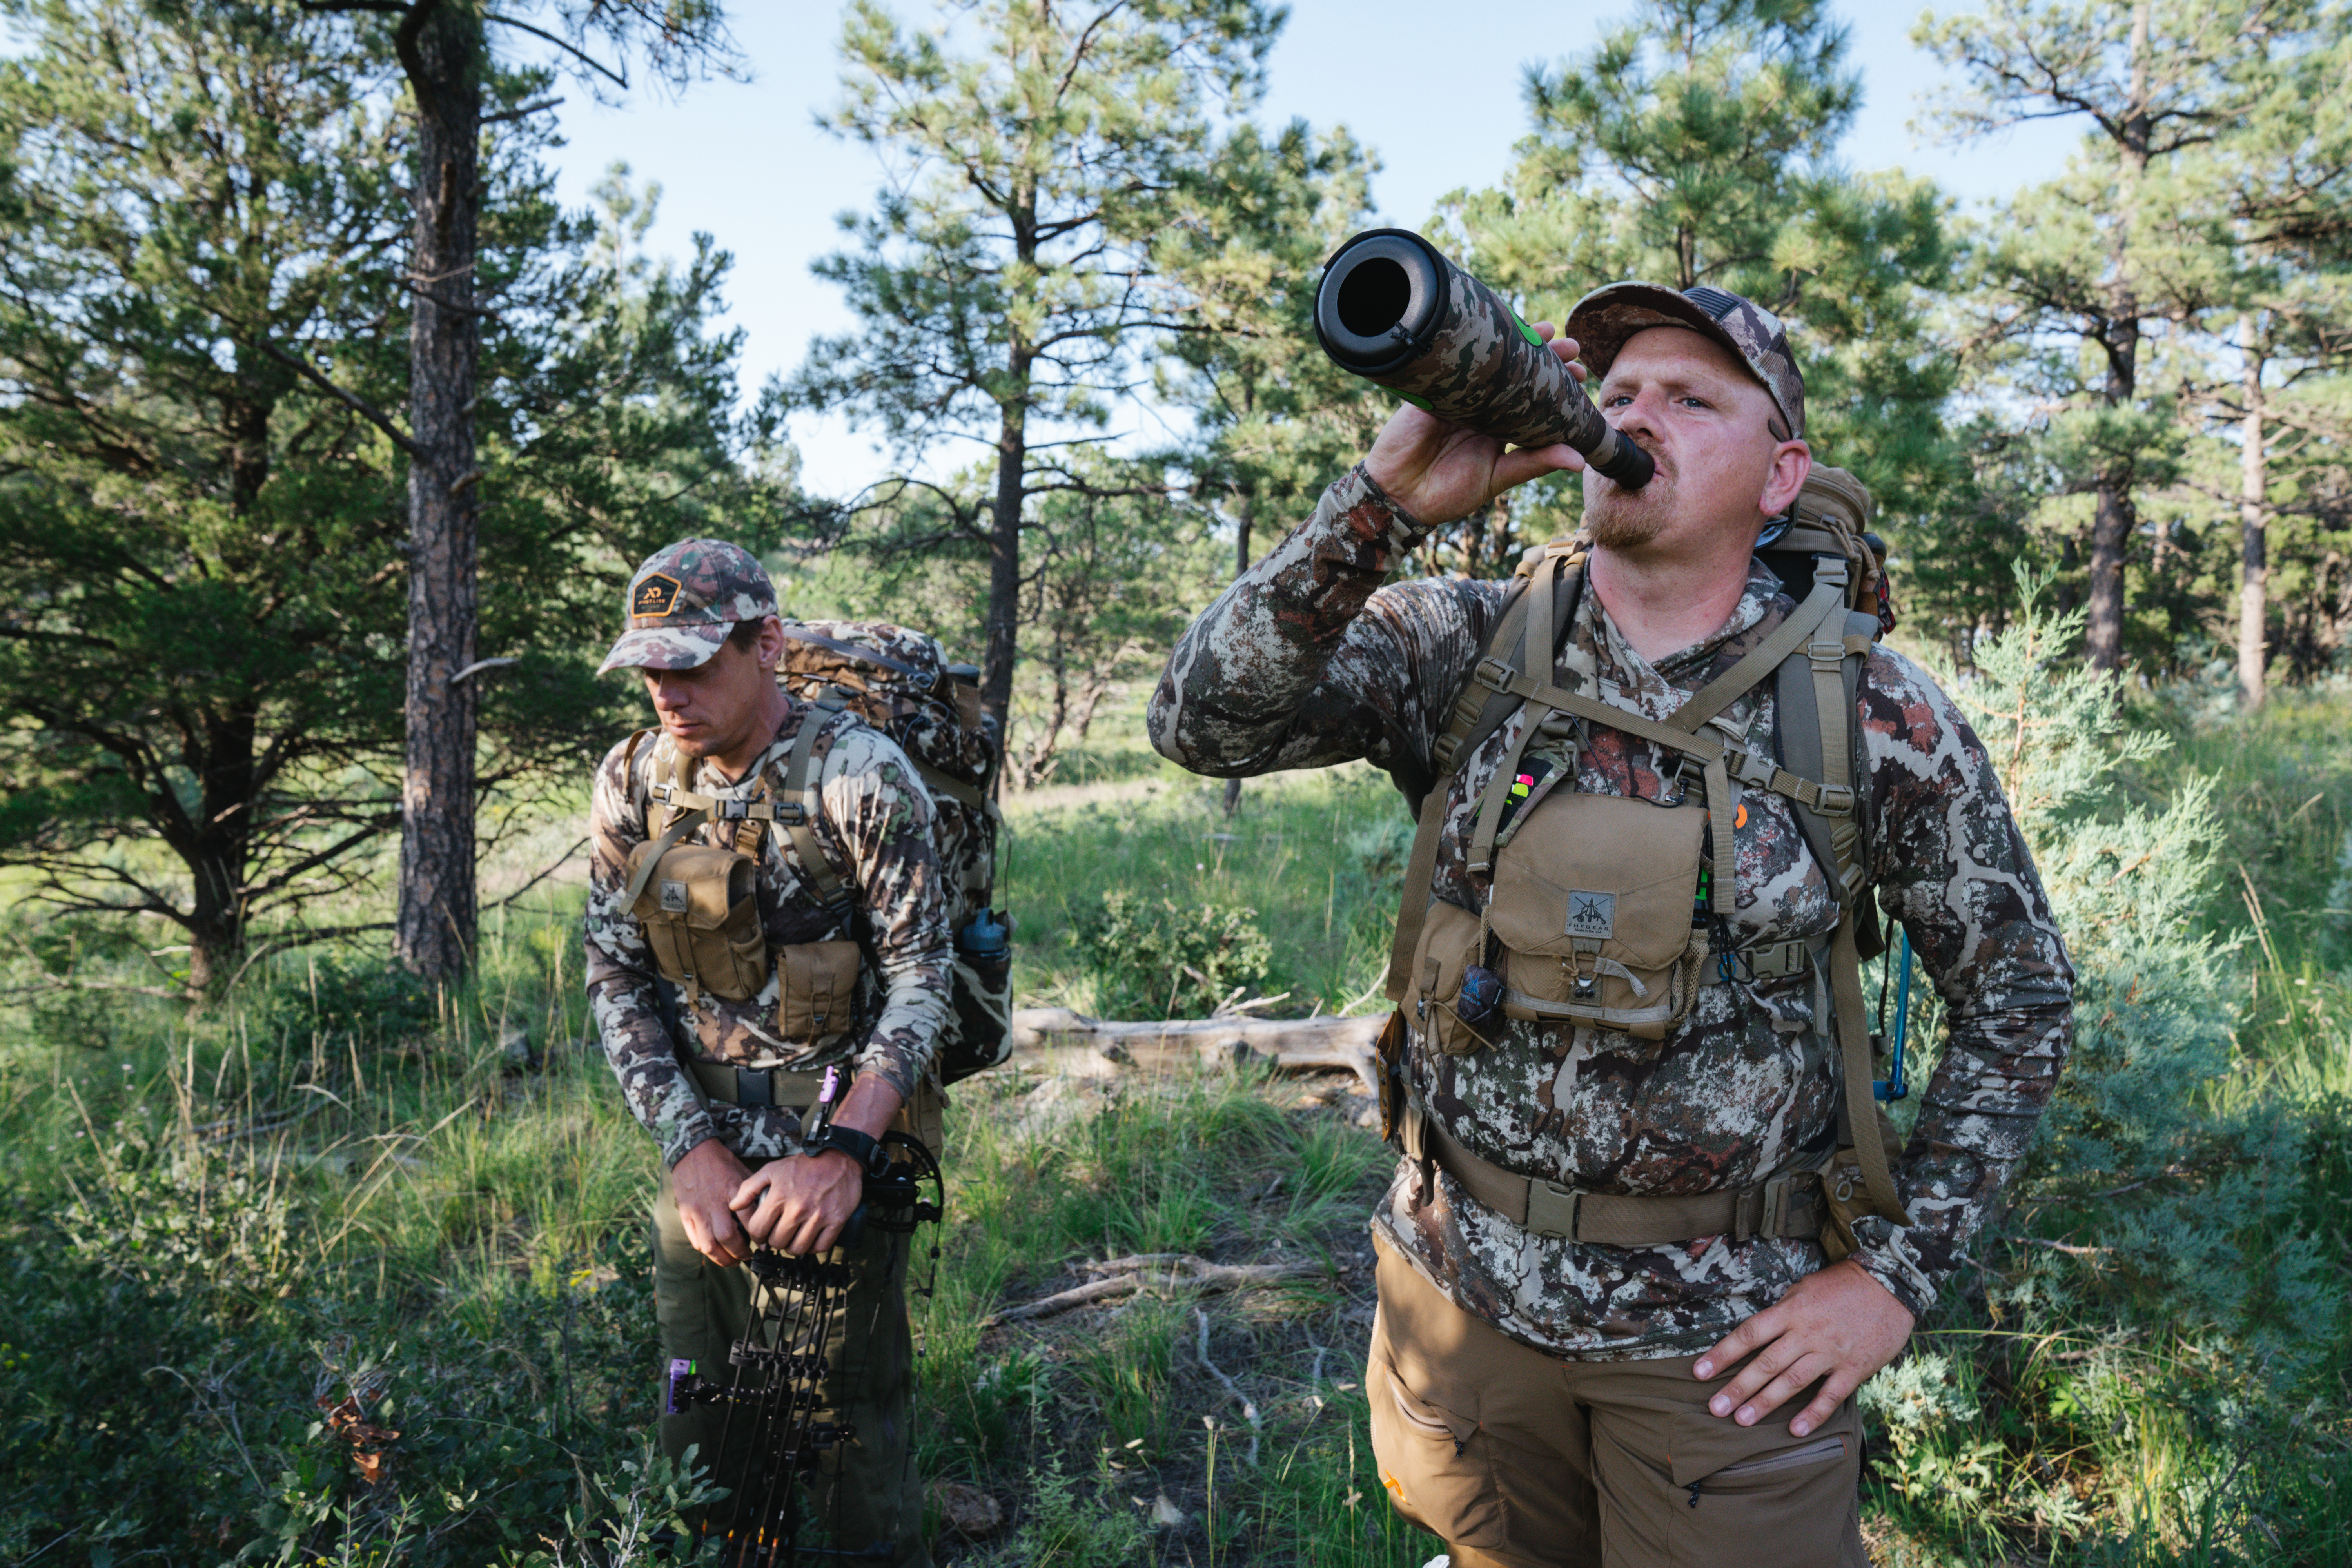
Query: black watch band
{"points": [[865, 1150]]}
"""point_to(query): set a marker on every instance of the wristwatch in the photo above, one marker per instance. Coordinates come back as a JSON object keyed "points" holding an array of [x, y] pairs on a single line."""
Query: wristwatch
{"points": [[868, 1152]]}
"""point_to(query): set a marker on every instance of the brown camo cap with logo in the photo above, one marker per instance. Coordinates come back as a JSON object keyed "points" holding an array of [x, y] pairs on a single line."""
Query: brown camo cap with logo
{"points": [[684, 601], [1604, 319]]}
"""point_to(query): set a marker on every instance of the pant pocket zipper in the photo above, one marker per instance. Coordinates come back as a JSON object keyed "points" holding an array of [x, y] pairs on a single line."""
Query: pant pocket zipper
{"points": [[1810, 1453], [1415, 1419]]}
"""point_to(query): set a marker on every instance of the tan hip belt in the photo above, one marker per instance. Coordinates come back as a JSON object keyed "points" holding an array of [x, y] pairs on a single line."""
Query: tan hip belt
{"points": [[1785, 1206]]}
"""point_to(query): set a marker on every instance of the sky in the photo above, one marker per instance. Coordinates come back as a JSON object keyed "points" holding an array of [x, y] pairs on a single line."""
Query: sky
{"points": [[747, 164]]}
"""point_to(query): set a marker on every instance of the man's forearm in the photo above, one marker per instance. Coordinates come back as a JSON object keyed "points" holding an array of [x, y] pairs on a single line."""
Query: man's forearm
{"points": [[1285, 670]]}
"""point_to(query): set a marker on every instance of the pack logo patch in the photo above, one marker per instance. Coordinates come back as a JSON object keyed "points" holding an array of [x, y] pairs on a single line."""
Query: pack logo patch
{"points": [[1592, 914], [655, 597], [673, 897]]}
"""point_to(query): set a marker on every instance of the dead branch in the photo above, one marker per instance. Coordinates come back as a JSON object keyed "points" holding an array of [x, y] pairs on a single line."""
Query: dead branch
{"points": [[1156, 1274], [1097, 1047], [1249, 1407]]}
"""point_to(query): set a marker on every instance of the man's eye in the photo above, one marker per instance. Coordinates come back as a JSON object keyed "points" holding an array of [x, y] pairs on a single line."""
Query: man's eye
{"points": [[1615, 400]]}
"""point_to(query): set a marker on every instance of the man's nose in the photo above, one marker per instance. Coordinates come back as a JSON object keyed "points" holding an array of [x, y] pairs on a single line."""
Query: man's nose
{"points": [[1640, 417], [668, 692]]}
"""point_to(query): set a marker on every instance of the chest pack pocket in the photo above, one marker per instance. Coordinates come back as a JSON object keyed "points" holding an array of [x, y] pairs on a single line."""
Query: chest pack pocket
{"points": [[701, 910], [1592, 906]]}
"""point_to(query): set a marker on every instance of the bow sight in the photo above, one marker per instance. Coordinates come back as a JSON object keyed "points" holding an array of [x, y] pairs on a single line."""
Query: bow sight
{"points": [[777, 1367]]}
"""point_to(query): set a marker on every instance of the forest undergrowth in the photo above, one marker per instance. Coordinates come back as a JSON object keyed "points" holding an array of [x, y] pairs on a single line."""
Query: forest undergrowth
{"points": [[340, 1271]]}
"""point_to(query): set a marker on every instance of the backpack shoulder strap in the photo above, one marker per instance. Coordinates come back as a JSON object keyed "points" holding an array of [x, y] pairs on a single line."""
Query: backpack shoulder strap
{"points": [[681, 818], [1816, 695], [1483, 706], [796, 813]]}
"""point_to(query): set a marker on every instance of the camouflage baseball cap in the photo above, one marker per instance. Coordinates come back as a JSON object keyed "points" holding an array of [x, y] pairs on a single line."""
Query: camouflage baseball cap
{"points": [[1604, 319], [683, 602]]}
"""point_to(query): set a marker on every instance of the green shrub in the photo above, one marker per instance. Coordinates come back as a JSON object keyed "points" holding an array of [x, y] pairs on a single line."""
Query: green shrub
{"points": [[1159, 960], [1066, 1530], [371, 1003]]}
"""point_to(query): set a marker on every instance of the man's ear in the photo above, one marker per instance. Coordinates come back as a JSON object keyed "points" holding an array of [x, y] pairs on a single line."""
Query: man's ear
{"points": [[768, 649], [1786, 480]]}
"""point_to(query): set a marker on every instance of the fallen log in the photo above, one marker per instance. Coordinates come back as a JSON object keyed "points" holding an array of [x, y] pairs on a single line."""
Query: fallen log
{"points": [[1158, 1273], [1069, 1042]]}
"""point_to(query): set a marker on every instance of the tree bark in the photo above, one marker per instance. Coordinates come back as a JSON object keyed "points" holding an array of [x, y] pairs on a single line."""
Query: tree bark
{"points": [[2253, 491], [440, 47], [2115, 516], [1004, 554]]}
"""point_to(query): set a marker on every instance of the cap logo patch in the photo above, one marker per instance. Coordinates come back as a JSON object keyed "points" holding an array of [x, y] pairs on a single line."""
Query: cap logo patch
{"points": [[655, 597]]}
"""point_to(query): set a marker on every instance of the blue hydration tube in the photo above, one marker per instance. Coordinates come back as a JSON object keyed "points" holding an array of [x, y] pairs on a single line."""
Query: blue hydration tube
{"points": [[1899, 1085]]}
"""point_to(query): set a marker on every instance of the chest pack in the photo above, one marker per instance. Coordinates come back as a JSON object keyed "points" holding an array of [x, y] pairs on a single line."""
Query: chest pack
{"points": [[699, 901], [1612, 912]]}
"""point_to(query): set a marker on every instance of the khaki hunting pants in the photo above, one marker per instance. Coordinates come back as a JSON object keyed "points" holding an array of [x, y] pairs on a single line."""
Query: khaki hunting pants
{"points": [[864, 1492], [1521, 1460]]}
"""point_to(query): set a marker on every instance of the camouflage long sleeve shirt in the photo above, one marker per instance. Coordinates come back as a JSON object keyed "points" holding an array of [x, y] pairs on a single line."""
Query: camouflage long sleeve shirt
{"points": [[1305, 660], [875, 828]]}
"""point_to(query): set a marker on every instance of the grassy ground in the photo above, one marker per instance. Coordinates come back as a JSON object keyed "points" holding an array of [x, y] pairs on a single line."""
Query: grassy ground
{"points": [[214, 1229]]}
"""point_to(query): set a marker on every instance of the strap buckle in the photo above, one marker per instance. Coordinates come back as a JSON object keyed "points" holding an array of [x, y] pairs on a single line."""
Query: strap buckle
{"points": [[734, 810], [1494, 674], [754, 1087], [1826, 657], [1551, 1209], [1836, 800], [1748, 768], [792, 814]]}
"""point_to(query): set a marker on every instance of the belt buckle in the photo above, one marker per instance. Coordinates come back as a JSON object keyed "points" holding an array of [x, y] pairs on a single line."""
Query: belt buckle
{"points": [[1551, 1209], [754, 1086]]}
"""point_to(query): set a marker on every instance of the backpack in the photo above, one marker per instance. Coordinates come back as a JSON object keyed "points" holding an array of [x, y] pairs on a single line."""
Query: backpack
{"points": [[1836, 571], [899, 681]]}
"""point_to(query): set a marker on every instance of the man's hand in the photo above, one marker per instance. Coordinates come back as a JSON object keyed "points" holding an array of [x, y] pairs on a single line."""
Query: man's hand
{"points": [[1839, 1323], [702, 1183], [1440, 471], [799, 1205]]}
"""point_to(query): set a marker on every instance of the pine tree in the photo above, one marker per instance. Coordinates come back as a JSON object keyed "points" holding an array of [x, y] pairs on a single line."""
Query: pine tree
{"points": [[443, 51], [1274, 419], [1004, 282], [201, 320], [2077, 273], [1697, 145]]}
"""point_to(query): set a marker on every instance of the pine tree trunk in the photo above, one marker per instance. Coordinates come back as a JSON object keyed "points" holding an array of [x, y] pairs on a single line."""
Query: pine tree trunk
{"points": [[2253, 495], [2114, 517], [441, 48], [1005, 558]]}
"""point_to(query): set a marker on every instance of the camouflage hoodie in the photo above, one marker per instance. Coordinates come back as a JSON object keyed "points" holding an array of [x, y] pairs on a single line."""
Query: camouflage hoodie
{"points": [[1305, 660], [875, 825]]}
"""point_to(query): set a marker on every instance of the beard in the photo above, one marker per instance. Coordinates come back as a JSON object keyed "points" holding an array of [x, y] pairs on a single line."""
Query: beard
{"points": [[1628, 520]]}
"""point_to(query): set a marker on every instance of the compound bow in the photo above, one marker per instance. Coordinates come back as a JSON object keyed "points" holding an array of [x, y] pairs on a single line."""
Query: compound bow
{"points": [[779, 1365]]}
